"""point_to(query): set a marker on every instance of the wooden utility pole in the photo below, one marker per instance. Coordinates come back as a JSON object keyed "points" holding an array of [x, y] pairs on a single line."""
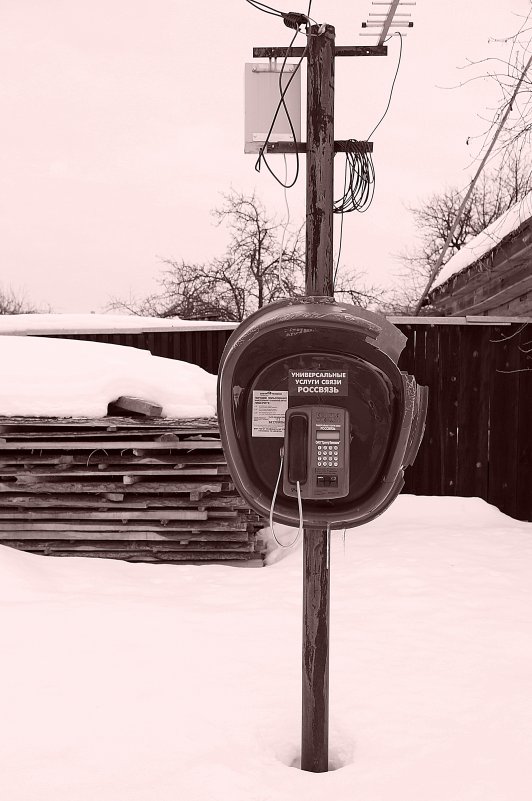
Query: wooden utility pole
{"points": [[320, 148], [319, 281], [320, 161]]}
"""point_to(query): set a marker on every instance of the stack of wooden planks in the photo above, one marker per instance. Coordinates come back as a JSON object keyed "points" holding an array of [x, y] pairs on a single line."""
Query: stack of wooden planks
{"points": [[121, 487]]}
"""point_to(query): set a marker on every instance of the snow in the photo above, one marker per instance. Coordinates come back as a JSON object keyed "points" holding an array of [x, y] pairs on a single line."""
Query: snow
{"points": [[69, 378], [102, 323], [131, 682], [487, 240]]}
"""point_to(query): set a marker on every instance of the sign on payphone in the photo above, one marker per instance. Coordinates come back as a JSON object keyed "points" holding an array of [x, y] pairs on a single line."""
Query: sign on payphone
{"points": [[317, 382]]}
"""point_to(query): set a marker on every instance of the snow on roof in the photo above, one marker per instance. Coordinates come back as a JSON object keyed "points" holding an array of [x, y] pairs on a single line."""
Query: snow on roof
{"points": [[101, 323], [67, 378], [487, 240]]}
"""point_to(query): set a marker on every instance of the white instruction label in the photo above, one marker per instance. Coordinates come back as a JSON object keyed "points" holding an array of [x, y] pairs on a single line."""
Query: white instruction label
{"points": [[269, 409]]}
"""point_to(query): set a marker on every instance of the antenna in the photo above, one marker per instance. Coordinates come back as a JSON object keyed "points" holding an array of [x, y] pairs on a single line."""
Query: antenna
{"points": [[387, 19]]}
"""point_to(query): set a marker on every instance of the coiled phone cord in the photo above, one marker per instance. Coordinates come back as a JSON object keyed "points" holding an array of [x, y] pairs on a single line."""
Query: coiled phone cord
{"points": [[300, 506]]}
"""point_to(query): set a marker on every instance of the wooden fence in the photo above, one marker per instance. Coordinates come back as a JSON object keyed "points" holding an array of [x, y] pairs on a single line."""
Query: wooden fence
{"points": [[201, 347], [478, 439]]}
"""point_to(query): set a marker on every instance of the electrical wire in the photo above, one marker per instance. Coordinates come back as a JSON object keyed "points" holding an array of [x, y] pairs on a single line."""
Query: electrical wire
{"points": [[341, 233], [262, 158], [293, 20], [287, 223], [263, 7], [359, 173], [360, 182], [400, 35], [274, 497]]}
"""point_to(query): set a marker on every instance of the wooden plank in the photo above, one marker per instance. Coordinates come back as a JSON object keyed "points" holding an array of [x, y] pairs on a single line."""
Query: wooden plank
{"points": [[339, 50], [449, 371], [189, 557], [473, 412], [420, 468], [523, 510], [234, 502], [82, 534], [340, 146], [59, 474], [108, 423], [122, 514], [495, 300], [68, 502], [112, 436], [59, 462], [107, 444], [96, 486], [518, 306], [432, 466], [170, 527], [504, 417], [136, 405], [132, 546]]}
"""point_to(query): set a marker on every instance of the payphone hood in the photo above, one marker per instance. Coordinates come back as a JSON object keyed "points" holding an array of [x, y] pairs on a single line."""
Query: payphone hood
{"points": [[323, 312], [310, 328]]}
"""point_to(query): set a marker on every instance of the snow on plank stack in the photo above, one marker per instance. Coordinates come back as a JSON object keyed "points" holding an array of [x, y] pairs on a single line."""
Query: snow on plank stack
{"points": [[117, 487]]}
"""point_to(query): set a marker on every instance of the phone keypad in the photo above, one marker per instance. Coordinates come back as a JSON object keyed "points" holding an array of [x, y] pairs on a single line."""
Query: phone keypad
{"points": [[328, 453]]}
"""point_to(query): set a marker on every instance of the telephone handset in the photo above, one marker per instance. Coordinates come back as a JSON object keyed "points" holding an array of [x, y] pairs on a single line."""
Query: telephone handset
{"points": [[316, 452]]}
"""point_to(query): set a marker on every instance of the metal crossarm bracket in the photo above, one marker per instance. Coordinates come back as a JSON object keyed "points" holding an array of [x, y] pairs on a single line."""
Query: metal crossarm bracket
{"points": [[340, 146], [298, 52]]}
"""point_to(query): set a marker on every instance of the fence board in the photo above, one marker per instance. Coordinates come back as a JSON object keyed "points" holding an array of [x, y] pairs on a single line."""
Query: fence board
{"points": [[433, 439], [523, 509], [421, 464], [473, 412], [504, 420], [449, 374]]}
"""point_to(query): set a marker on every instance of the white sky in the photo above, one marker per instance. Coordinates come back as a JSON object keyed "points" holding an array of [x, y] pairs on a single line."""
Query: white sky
{"points": [[123, 121]]}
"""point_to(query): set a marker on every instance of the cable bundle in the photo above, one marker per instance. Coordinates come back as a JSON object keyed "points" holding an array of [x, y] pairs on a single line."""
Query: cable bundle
{"points": [[359, 182]]}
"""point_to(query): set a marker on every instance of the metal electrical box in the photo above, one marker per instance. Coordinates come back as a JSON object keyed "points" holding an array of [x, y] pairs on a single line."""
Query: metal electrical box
{"points": [[263, 84]]}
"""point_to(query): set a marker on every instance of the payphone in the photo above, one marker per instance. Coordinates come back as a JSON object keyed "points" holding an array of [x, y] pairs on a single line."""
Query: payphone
{"points": [[316, 450], [315, 413]]}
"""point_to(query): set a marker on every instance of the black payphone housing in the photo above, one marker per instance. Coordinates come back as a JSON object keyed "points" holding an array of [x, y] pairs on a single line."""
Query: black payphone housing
{"points": [[310, 399]]}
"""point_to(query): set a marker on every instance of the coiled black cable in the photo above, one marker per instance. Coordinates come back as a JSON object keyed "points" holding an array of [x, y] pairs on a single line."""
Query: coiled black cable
{"points": [[359, 181]]}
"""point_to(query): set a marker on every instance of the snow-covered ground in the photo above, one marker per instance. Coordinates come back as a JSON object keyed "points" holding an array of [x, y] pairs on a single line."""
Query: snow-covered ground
{"points": [[70, 378], [131, 682]]}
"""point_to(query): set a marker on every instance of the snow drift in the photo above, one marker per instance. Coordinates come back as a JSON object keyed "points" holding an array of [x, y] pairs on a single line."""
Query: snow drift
{"points": [[67, 378]]}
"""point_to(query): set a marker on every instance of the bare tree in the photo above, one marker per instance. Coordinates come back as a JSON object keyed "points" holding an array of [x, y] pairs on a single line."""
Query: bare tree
{"points": [[350, 287], [264, 261], [494, 194], [11, 303], [508, 67]]}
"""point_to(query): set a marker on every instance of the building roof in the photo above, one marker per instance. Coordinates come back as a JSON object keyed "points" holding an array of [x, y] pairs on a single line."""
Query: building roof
{"points": [[499, 231]]}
